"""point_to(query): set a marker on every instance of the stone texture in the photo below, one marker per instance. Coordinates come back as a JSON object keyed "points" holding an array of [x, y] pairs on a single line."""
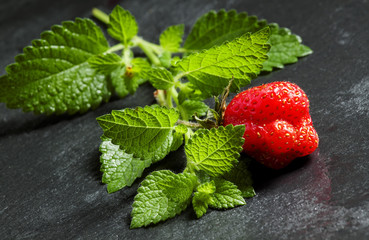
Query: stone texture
{"points": [[50, 178]]}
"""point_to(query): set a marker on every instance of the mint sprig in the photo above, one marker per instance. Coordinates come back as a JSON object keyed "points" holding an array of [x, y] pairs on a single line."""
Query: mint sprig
{"points": [[106, 63], [160, 78], [147, 132], [215, 151], [53, 75], [227, 195], [171, 38], [162, 195], [122, 25], [214, 28], [286, 48], [203, 197], [191, 108], [119, 168], [241, 58], [72, 68]]}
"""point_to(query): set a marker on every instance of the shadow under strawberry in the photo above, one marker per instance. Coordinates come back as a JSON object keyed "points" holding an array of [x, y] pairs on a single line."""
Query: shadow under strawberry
{"points": [[263, 176]]}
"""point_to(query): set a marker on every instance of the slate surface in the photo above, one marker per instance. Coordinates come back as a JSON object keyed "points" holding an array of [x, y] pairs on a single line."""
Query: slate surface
{"points": [[50, 179]]}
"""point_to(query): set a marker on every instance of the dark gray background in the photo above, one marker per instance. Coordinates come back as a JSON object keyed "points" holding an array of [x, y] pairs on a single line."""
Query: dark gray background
{"points": [[50, 178]]}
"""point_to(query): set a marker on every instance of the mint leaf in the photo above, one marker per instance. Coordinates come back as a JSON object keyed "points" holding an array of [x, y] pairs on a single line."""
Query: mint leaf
{"points": [[122, 25], [165, 59], [160, 78], [126, 79], [105, 63], [171, 38], [162, 195], [117, 80], [215, 151], [4, 87], [241, 176], [178, 137], [208, 187], [177, 141], [120, 169], [203, 197], [140, 66], [226, 195], [123, 81], [135, 74], [189, 91], [214, 28], [147, 132], [190, 107], [53, 75], [241, 59], [130, 81], [286, 48], [181, 129]]}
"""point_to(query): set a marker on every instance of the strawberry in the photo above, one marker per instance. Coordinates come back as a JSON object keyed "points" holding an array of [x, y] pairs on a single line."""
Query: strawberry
{"points": [[278, 123]]}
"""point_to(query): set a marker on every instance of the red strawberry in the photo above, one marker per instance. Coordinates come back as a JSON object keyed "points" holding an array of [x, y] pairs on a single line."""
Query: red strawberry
{"points": [[278, 124]]}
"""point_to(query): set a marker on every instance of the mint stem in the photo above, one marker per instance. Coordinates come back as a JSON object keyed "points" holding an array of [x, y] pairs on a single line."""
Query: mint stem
{"points": [[174, 94], [157, 49], [149, 53], [100, 15], [115, 48], [160, 97], [169, 99], [190, 124], [177, 77], [126, 56]]}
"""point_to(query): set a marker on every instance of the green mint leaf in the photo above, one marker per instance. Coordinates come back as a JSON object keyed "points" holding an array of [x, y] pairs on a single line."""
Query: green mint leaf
{"points": [[211, 70], [208, 187], [175, 59], [214, 28], [162, 195], [177, 141], [122, 25], [165, 59], [241, 176], [189, 91], [53, 75], [190, 107], [139, 67], [215, 151], [147, 132], [117, 80], [286, 48], [135, 74], [130, 81], [4, 86], [226, 195], [160, 78], [182, 129], [119, 169], [178, 137], [203, 197], [106, 63], [125, 82], [171, 38]]}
